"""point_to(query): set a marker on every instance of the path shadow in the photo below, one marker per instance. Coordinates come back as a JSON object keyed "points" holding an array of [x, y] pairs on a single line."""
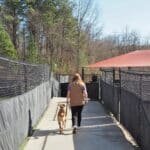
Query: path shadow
{"points": [[39, 133], [99, 131]]}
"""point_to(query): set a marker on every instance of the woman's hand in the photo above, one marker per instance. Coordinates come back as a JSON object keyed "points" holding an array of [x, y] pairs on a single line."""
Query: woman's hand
{"points": [[86, 100]]}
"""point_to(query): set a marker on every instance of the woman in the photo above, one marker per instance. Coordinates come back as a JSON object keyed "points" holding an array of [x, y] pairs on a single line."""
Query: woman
{"points": [[76, 96]]}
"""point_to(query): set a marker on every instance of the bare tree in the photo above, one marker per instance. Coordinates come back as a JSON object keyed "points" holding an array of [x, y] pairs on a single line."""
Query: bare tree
{"points": [[86, 15]]}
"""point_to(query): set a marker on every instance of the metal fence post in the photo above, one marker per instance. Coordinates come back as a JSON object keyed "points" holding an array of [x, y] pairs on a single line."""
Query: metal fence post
{"points": [[25, 79], [99, 87], [83, 73], [140, 109], [119, 96]]}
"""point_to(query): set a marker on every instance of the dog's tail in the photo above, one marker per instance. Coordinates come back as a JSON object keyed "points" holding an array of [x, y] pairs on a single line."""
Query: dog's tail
{"points": [[66, 115]]}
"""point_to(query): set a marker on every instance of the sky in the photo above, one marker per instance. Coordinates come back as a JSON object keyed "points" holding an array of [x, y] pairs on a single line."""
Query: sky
{"points": [[117, 15]]}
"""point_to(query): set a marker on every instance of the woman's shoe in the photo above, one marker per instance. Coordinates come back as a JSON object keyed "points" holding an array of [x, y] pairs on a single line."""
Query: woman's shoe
{"points": [[74, 130]]}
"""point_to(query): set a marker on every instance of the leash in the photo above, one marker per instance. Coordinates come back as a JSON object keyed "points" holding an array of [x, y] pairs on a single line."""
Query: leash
{"points": [[66, 108]]}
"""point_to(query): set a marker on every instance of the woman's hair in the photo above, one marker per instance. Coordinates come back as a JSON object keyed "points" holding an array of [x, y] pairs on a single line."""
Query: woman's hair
{"points": [[77, 78]]}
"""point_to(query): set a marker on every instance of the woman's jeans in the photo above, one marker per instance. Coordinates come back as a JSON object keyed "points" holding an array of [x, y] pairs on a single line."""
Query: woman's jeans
{"points": [[76, 115]]}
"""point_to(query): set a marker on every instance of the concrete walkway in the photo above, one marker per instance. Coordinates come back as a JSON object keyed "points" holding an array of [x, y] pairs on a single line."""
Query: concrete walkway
{"points": [[98, 131]]}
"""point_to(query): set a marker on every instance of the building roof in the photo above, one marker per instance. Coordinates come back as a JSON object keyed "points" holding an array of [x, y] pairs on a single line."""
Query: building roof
{"points": [[138, 58]]}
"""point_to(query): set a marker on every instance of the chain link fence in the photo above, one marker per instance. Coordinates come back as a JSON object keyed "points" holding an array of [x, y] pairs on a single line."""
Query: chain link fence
{"points": [[109, 91], [129, 101], [135, 105], [17, 78], [25, 92]]}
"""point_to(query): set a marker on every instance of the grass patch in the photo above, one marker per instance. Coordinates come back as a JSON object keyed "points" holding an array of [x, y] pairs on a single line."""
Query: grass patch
{"points": [[21, 147]]}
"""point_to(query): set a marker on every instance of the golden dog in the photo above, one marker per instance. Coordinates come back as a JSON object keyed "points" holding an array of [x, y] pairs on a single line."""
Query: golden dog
{"points": [[62, 113]]}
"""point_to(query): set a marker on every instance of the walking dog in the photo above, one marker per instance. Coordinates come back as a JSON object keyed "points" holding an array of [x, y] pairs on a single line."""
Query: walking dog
{"points": [[62, 114]]}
